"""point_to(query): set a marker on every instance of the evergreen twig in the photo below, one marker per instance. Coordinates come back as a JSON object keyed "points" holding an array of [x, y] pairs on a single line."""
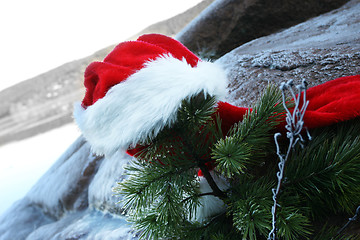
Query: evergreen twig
{"points": [[294, 126], [210, 222], [353, 219], [201, 164], [211, 182], [198, 195], [249, 141], [204, 170]]}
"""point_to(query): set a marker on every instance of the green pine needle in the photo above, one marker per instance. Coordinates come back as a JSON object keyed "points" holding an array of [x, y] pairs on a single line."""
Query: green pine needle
{"points": [[250, 205], [231, 158], [326, 172], [250, 140], [251, 219], [292, 224], [197, 110]]}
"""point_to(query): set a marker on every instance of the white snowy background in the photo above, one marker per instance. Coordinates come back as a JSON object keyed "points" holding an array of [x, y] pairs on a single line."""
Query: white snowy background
{"points": [[40, 35]]}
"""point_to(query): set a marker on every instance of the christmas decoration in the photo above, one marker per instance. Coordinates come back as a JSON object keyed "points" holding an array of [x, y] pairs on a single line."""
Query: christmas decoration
{"points": [[138, 88], [205, 169]]}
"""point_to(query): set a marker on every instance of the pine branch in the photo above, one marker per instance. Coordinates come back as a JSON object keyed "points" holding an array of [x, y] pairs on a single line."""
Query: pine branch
{"points": [[292, 224], [250, 205], [162, 192], [146, 182], [351, 220], [198, 195], [248, 142], [211, 182], [218, 227], [329, 232], [209, 223], [263, 117], [326, 171], [201, 164], [232, 158], [205, 171]]}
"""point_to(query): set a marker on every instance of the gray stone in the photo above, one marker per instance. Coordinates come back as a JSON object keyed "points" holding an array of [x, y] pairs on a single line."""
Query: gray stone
{"points": [[318, 50], [226, 24]]}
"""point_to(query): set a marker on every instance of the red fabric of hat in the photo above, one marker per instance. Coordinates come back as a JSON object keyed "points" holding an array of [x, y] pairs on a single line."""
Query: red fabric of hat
{"points": [[137, 89], [334, 101], [126, 59]]}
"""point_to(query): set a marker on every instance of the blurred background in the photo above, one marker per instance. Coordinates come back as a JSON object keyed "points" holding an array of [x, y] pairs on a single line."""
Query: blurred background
{"points": [[45, 47]]}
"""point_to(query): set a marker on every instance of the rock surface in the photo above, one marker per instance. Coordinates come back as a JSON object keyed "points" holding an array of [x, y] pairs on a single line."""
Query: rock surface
{"points": [[318, 50], [74, 199], [227, 24]]}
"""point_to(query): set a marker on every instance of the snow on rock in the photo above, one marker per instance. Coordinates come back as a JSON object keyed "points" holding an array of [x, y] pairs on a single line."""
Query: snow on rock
{"points": [[110, 172], [318, 50], [60, 188], [94, 225], [21, 219]]}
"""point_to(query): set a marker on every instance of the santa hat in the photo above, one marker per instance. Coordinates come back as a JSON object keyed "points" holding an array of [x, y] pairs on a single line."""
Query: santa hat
{"points": [[138, 88]]}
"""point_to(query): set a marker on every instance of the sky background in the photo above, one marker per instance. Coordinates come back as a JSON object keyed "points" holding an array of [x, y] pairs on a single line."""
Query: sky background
{"points": [[39, 35]]}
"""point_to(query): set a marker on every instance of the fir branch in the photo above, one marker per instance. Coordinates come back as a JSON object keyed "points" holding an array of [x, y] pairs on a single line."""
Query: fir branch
{"points": [[294, 126], [231, 157], [197, 110], [326, 173], [250, 204], [263, 117], [292, 225], [248, 142], [146, 182], [351, 220], [217, 192], [197, 196]]}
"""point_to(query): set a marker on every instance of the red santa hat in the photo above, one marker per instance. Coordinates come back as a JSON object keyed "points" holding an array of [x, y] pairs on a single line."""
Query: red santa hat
{"points": [[138, 88]]}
